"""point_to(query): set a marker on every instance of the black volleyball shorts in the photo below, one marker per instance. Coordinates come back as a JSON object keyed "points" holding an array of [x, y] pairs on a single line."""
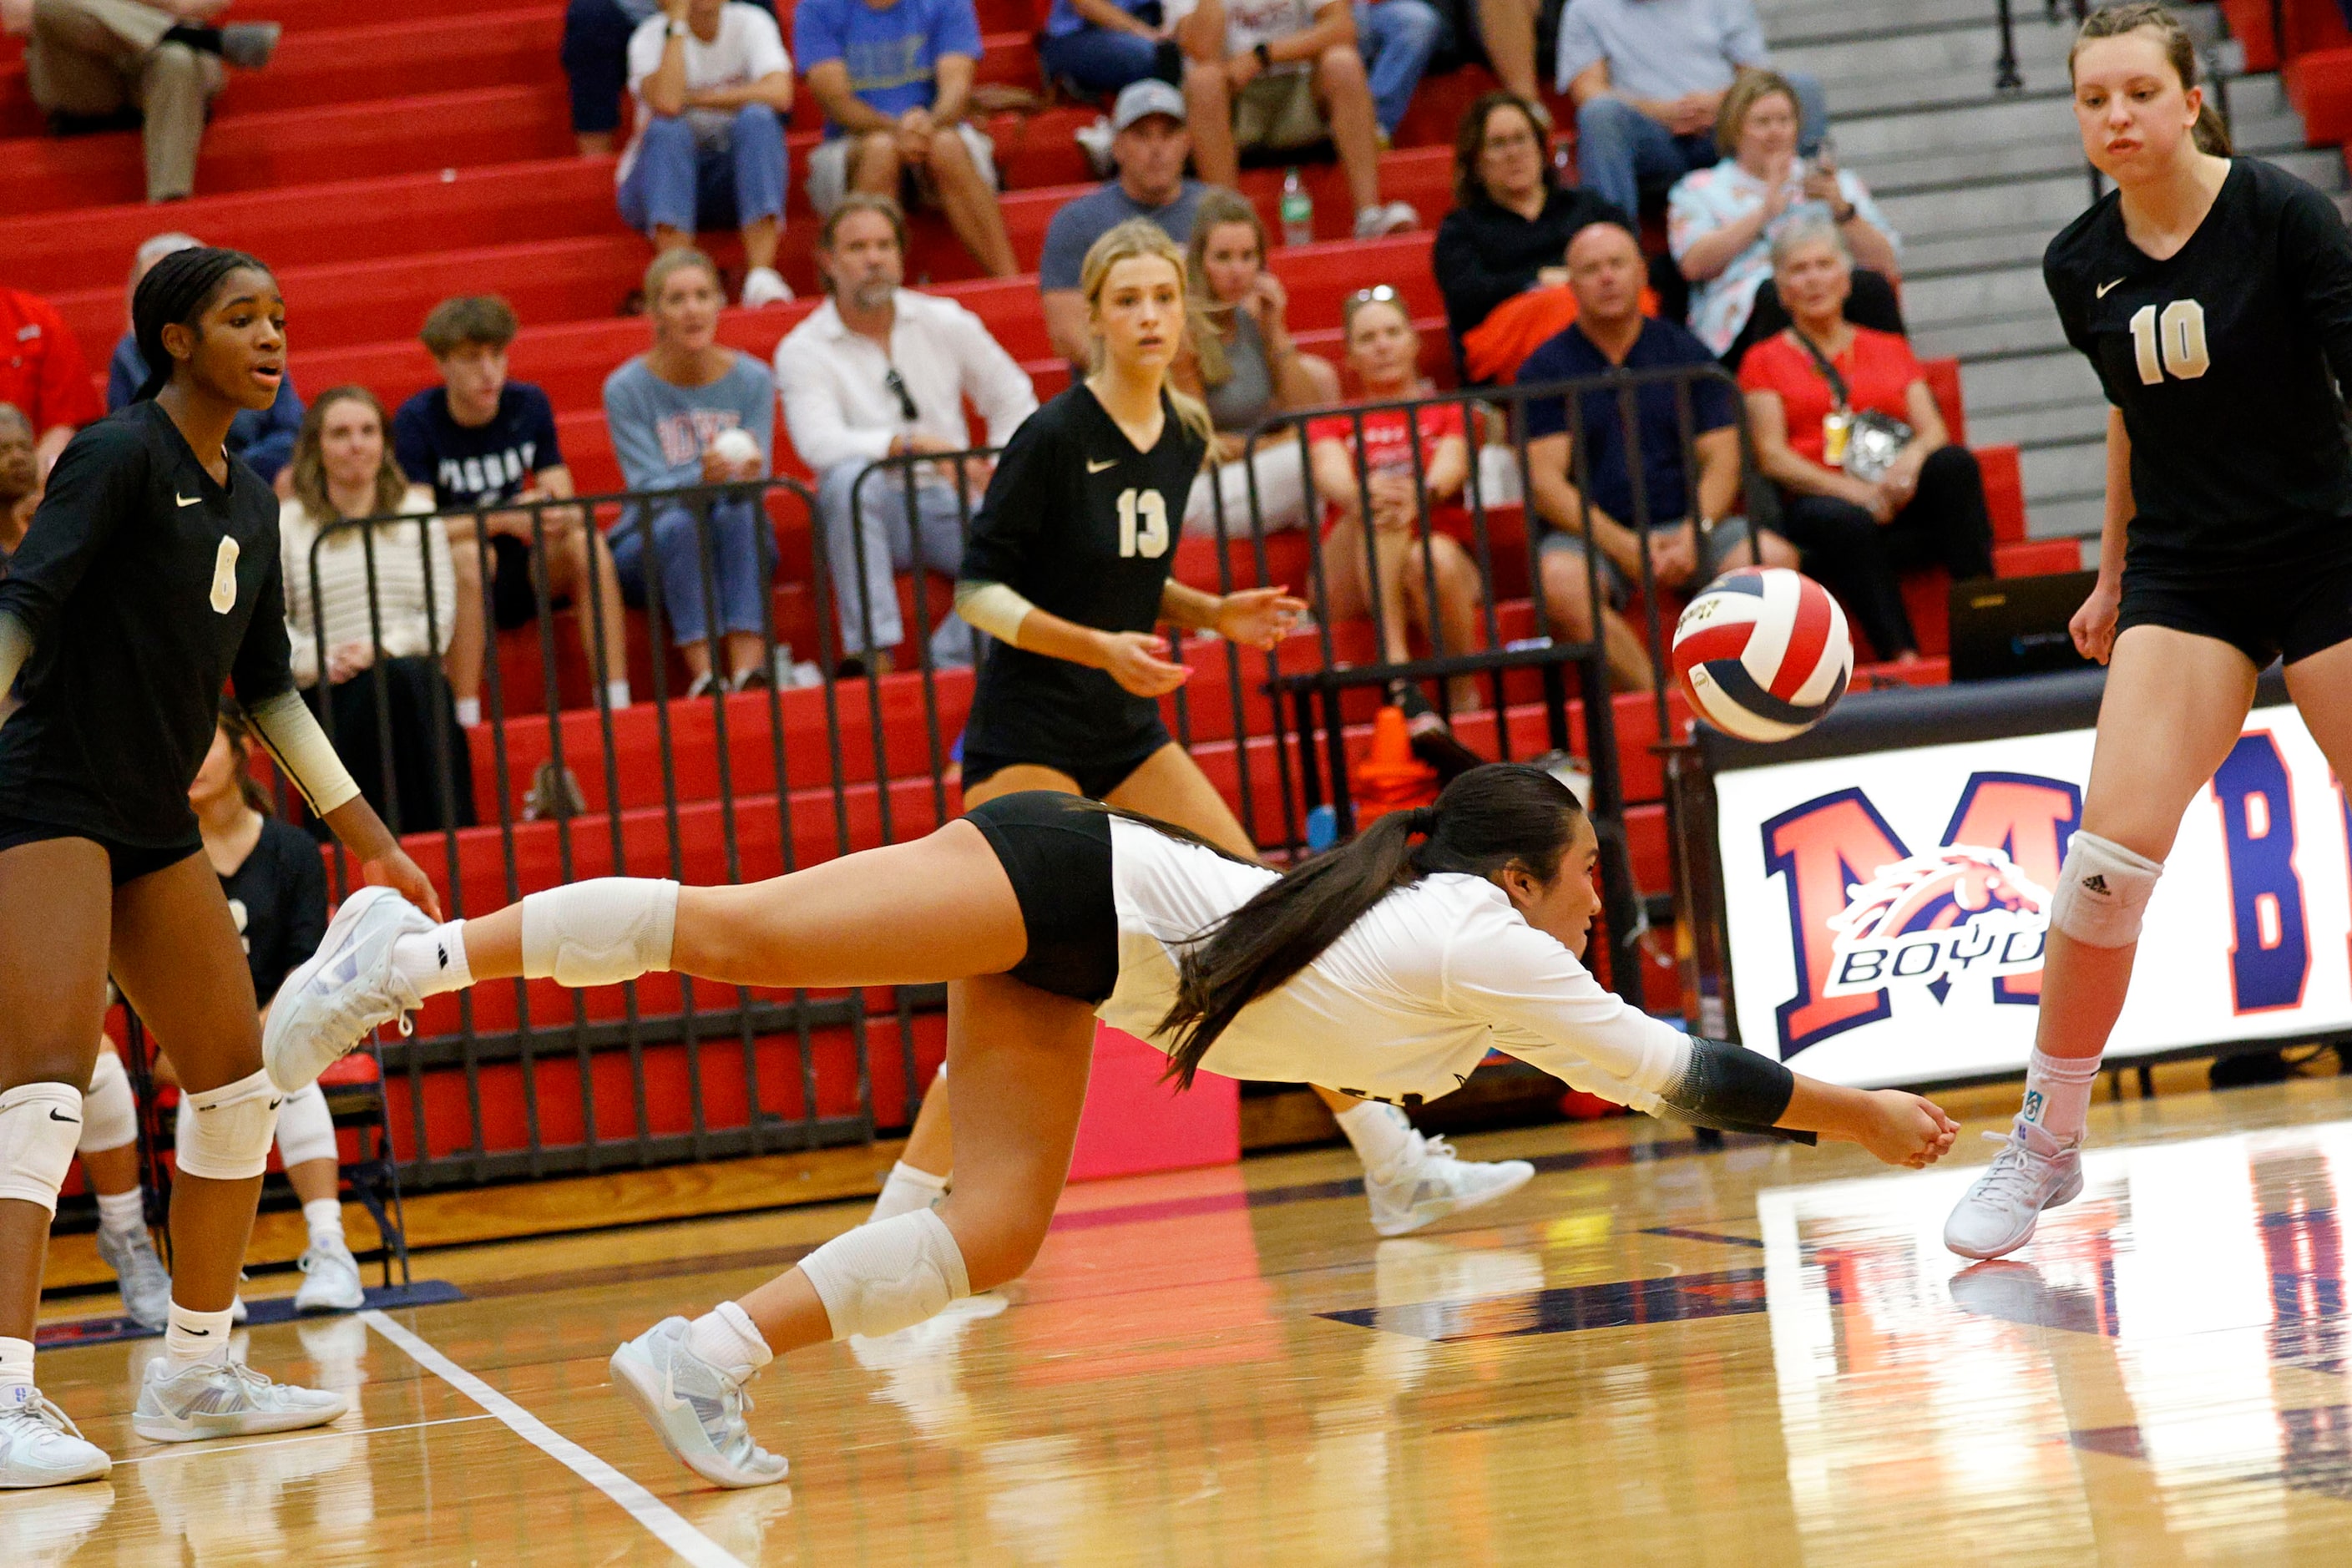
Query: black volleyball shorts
{"points": [[1056, 848]]}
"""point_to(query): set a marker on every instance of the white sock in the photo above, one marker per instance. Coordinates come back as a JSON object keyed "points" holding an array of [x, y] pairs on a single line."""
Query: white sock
{"points": [[122, 1213], [469, 711], [616, 692], [726, 1337], [1379, 1133], [15, 1368], [325, 1218], [2058, 1092], [192, 1337], [435, 961], [905, 1190]]}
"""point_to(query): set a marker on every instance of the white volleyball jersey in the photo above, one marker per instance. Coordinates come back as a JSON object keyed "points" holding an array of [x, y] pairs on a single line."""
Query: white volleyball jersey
{"points": [[1403, 1005]]}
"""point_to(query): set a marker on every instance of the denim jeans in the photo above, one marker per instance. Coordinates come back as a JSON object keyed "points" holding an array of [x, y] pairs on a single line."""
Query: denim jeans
{"points": [[1101, 60], [889, 546], [676, 183], [1619, 149], [742, 556], [1396, 38]]}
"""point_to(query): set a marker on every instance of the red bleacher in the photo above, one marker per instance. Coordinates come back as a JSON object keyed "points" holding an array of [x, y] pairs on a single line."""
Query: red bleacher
{"points": [[381, 165]]}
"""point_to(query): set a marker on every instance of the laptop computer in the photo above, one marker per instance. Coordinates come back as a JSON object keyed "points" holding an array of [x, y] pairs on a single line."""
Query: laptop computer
{"points": [[2003, 626]]}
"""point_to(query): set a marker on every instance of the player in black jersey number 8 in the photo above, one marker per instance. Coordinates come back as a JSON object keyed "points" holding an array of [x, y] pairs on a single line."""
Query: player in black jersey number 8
{"points": [[147, 580], [2214, 298]]}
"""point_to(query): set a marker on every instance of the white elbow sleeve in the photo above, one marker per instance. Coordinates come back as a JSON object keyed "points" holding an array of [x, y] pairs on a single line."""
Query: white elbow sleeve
{"points": [[993, 609], [302, 752]]}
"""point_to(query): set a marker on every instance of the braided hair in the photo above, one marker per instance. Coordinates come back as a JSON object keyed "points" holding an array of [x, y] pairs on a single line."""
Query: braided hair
{"points": [[178, 290]]}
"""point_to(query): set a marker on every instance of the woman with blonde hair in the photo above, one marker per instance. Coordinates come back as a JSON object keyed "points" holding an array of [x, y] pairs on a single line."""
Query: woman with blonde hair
{"points": [[1068, 570], [1244, 366]]}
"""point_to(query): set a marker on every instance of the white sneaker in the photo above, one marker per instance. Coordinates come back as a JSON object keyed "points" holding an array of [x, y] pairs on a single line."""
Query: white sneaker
{"points": [[696, 1408], [1431, 1182], [1395, 217], [330, 1279], [347, 989], [224, 1399], [2033, 1172], [146, 1288], [765, 286], [41, 1446]]}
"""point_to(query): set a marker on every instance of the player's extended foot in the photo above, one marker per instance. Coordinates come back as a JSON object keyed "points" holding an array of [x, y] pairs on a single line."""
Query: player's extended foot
{"points": [[347, 988], [224, 1399], [330, 1279], [2034, 1172], [696, 1408], [1430, 1182], [146, 1287], [41, 1446]]}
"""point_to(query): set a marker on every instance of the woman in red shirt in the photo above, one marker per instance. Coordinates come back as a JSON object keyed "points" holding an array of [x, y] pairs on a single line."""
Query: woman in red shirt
{"points": [[1384, 351], [1926, 506]]}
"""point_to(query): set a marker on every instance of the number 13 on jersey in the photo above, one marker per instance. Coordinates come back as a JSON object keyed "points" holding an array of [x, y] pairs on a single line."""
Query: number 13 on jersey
{"points": [[2172, 340], [1142, 523]]}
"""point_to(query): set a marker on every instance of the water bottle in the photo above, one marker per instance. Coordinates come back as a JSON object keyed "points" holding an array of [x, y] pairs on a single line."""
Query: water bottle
{"points": [[1298, 211]]}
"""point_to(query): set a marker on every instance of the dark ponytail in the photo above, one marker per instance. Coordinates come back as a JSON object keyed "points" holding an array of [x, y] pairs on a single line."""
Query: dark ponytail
{"points": [[1493, 816], [177, 290], [233, 724]]}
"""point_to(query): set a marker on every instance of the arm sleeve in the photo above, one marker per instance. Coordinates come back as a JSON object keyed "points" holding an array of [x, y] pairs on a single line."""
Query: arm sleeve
{"points": [[814, 417], [1547, 1009], [992, 379], [958, 21], [274, 448], [1471, 287], [631, 425], [2316, 255], [290, 732], [1020, 497], [97, 482]]}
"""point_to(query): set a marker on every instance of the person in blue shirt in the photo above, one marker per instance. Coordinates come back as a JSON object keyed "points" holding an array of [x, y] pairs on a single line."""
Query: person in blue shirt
{"points": [[1647, 504], [264, 439], [894, 77], [1102, 46]]}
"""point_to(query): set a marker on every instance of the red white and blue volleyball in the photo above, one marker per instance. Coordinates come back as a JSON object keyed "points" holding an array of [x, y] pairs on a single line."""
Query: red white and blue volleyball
{"points": [[1763, 652]]}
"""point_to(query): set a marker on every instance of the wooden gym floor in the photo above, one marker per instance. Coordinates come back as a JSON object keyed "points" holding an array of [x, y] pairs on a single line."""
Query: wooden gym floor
{"points": [[1761, 1355]]}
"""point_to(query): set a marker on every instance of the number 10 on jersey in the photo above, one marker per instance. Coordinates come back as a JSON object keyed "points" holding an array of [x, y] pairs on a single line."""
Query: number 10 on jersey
{"points": [[2172, 341], [1142, 524]]}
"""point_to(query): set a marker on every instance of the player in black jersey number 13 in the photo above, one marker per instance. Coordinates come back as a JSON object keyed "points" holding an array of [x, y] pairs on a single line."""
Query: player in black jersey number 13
{"points": [[2214, 298], [147, 580]]}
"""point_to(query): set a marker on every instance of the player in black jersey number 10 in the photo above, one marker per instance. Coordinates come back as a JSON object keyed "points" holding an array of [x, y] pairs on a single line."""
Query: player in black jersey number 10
{"points": [[2214, 298], [147, 580]]}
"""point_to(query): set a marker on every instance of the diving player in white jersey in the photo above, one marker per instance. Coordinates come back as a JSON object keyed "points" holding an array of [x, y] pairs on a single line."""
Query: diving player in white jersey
{"points": [[1389, 965]]}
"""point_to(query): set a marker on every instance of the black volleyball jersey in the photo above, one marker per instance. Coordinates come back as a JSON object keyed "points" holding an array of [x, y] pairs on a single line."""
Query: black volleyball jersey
{"points": [[278, 899], [1084, 526], [146, 587], [2228, 361]]}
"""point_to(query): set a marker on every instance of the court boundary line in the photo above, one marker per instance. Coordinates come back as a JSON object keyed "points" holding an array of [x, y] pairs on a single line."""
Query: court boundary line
{"points": [[666, 1523]]}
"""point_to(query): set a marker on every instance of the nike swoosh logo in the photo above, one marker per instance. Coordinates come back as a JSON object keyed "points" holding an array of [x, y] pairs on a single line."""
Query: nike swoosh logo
{"points": [[69, 1120], [1095, 468], [185, 500], [669, 1399], [201, 1333], [2100, 292]]}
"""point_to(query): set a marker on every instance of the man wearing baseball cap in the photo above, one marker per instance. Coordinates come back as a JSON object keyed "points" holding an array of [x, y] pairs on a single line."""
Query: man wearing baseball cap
{"points": [[1149, 144]]}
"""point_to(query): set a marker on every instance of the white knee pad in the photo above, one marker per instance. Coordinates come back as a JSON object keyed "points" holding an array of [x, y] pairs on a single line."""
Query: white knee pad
{"points": [[39, 1125], [887, 1276], [225, 1132], [109, 1118], [599, 932], [2103, 891], [306, 1130]]}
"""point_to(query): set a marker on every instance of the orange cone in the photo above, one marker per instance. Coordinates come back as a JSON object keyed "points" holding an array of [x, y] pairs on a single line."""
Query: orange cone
{"points": [[1390, 777]]}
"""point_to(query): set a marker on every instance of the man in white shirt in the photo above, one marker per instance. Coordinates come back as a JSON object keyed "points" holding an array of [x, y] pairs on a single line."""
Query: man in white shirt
{"points": [[713, 85], [881, 371], [1283, 74]]}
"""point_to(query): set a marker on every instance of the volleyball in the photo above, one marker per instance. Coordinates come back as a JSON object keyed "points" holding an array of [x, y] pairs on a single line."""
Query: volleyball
{"points": [[1763, 652]]}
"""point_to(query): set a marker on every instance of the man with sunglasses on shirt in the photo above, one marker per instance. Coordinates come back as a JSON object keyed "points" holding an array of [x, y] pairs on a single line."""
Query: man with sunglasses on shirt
{"points": [[880, 372]]}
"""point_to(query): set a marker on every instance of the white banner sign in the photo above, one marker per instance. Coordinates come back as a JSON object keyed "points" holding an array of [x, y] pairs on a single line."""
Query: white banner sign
{"points": [[1888, 908]]}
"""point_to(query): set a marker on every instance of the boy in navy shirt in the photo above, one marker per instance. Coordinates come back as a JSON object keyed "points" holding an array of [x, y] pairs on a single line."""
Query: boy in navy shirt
{"points": [[480, 440]]}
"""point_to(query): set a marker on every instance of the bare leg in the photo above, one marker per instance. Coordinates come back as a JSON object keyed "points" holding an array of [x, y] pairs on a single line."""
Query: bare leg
{"points": [[313, 1180], [743, 653], [1567, 585], [1209, 111], [668, 238], [1457, 609], [1508, 28], [971, 205], [874, 163], [111, 1170], [594, 144], [1347, 97], [760, 237]]}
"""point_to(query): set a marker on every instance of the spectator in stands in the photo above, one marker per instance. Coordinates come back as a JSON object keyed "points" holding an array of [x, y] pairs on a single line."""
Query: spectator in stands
{"points": [[596, 54], [881, 371], [1384, 351], [1649, 78], [263, 439], [1512, 220], [1693, 532], [481, 440], [1238, 359], [95, 59], [20, 480], [1720, 220], [42, 372], [1279, 75], [666, 411], [1397, 38], [1927, 505], [1149, 144], [369, 612], [894, 82], [1103, 45], [713, 85]]}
